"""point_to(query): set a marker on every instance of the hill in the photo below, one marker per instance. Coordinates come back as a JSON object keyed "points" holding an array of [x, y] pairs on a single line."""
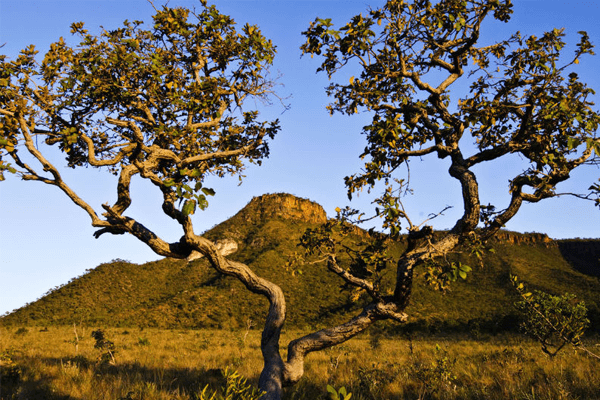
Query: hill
{"points": [[179, 293]]}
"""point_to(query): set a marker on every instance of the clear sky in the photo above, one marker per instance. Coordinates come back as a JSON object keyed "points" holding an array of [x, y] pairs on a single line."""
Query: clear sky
{"points": [[45, 240]]}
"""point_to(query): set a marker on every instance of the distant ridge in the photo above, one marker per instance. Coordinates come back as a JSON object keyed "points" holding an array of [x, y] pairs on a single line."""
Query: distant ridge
{"points": [[582, 254], [179, 294]]}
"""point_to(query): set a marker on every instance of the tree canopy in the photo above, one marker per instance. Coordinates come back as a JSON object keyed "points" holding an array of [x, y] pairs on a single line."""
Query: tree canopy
{"points": [[524, 98], [167, 103]]}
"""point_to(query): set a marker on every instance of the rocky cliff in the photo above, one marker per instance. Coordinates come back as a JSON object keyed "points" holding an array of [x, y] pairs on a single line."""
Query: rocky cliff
{"points": [[525, 238], [282, 205]]}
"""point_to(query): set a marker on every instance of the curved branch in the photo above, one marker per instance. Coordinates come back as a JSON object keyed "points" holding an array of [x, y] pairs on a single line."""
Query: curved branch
{"points": [[57, 181], [518, 196], [299, 348], [214, 122], [491, 154], [103, 163], [333, 266], [470, 195], [120, 224], [223, 154], [123, 194], [137, 132]]}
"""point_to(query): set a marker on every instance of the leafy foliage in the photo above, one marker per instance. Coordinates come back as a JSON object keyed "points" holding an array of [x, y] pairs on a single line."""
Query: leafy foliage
{"points": [[340, 394], [165, 102], [524, 98], [553, 320]]}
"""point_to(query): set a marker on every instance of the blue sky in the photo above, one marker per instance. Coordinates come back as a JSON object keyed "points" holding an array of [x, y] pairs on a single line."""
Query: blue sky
{"points": [[45, 240]]}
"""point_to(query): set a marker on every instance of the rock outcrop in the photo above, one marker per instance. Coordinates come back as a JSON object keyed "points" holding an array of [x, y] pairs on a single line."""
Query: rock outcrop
{"points": [[282, 205], [525, 238]]}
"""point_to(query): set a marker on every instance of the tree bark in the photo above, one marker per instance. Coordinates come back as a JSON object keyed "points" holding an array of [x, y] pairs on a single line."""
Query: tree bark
{"points": [[271, 377]]}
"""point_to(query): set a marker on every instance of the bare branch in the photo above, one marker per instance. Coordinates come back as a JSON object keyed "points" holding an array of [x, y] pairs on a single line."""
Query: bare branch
{"points": [[57, 181], [333, 266]]}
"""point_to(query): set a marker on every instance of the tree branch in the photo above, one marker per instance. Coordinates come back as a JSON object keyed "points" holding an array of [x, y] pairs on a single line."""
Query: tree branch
{"points": [[57, 181], [333, 266], [299, 348]]}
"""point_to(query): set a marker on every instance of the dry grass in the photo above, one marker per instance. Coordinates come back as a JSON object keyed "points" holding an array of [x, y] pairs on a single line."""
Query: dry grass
{"points": [[177, 364]]}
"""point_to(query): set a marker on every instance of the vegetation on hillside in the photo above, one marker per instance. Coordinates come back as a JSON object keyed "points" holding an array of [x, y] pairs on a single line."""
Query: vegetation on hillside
{"points": [[178, 294]]}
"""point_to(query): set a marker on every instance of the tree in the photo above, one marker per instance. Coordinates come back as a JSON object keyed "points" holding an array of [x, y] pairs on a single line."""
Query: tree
{"points": [[554, 321], [408, 59], [169, 105]]}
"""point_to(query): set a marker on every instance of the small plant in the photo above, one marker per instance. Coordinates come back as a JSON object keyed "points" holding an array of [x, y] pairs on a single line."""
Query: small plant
{"points": [[236, 388], [338, 394], [102, 343], [143, 341], [435, 376]]}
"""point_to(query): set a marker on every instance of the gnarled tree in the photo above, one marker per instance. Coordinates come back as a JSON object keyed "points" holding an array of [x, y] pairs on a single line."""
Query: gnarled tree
{"points": [[169, 105], [524, 98]]}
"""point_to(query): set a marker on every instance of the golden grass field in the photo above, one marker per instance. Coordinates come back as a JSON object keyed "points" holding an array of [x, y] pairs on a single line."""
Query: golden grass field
{"points": [[50, 363]]}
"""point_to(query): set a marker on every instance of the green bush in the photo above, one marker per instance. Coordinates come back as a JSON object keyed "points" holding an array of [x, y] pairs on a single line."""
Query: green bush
{"points": [[554, 321]]}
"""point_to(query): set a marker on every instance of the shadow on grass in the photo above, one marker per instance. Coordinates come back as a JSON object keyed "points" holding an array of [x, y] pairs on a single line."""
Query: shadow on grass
{"points": [[133, 378], [31, 386]]}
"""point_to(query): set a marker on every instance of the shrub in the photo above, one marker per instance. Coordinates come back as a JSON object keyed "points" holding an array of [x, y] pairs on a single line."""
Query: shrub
{"points": [[236, 387], [108, 347], [554, 321]]}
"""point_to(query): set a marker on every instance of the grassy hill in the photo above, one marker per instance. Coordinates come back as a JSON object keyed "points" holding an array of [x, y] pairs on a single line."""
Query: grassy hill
{"points": [[176, 293]]}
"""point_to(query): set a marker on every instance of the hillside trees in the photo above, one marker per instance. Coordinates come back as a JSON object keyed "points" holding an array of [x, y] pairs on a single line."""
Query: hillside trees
{"points": [[170, 105]]}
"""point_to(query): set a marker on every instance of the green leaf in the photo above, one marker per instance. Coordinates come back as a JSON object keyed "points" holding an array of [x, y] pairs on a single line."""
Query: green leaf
{"points": [[573, 143], [208, 191], [202, 202], [189, 207]]}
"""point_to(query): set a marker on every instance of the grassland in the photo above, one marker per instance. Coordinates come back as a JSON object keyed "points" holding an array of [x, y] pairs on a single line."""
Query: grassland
{"points": [[62, 363]]}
